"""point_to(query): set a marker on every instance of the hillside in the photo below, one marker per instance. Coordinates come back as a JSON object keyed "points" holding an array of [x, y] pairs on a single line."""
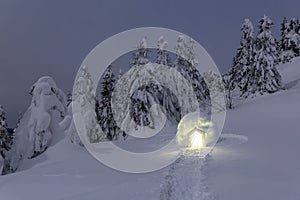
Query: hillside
{"points": [[266, 166]]}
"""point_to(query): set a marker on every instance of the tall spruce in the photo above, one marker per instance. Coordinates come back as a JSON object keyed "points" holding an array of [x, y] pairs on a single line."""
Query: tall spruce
{"points": [[242, 70], [106, 118], [141, 55], [266, 78], [289, 42], [294, 38], [162, 55], [186, 64], [85, 102], [284, 42]]}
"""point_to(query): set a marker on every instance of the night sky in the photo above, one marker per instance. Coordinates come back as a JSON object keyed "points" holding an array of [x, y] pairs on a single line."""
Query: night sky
{"points": [[39, 37]]}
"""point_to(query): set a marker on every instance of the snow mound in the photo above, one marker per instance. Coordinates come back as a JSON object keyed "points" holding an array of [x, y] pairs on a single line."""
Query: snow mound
{"points": [[39, 128], [290, 73]]}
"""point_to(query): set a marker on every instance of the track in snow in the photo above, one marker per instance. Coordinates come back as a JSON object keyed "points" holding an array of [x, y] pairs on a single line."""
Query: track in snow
{"points": [[186, 180]]}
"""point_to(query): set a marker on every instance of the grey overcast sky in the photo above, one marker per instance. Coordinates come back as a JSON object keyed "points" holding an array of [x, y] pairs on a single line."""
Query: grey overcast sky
{"points": [[39, 37]]}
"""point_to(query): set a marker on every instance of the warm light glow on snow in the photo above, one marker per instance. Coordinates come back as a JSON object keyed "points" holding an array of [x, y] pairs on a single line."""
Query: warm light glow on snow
{"points": [[196, 141]]}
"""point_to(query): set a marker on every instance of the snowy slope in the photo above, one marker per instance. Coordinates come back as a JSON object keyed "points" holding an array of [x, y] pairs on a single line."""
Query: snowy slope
{"points": [[69, 172], [267, 166]]}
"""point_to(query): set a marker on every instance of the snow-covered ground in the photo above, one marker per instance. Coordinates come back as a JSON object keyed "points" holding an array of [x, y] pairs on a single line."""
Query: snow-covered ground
{"points": [[264, 164]]}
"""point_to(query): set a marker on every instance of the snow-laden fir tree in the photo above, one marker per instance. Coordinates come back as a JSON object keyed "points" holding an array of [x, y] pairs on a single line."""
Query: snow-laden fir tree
{"points": [[150, 93], [6, 138], [242, 71], [216, 88], [162, 95], [294, 37], [147, 86], [121, 132], [106, 118], [289, 46], [83, 103], [140, 56], [227, 91], [265, 78], [97, 109], [186, 64], [284, 48], [162, 55], [139, 109]]}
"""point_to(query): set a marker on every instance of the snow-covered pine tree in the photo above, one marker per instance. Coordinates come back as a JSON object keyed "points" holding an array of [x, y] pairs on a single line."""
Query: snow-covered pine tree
{"points": [[162, 95], [139, 109], [180, 50], [97, 108], [140, 56], [198, 83], [227, 91], [106, 118], [294, 38], [266, 78], [84, 101], [289, 42], [162, 56], [242, 70], [216, 88], [186, 65], [123, 133], [284, 49], [6, 138], [147, 95]]}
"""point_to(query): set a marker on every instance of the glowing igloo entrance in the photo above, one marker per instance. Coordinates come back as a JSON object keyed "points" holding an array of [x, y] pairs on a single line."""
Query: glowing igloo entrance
{"points": [[195, 133]]}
